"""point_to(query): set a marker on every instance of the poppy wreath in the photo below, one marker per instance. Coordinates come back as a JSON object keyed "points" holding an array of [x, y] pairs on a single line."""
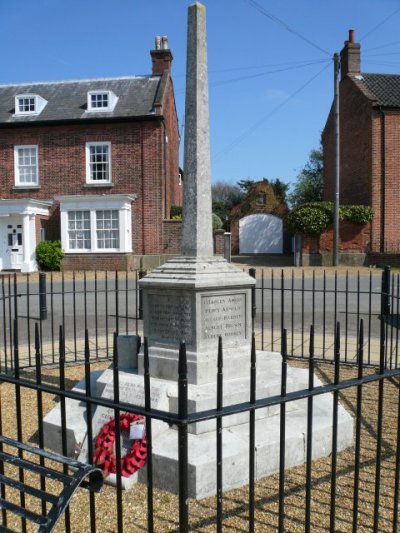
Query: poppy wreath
{"points": [[104, 455]]}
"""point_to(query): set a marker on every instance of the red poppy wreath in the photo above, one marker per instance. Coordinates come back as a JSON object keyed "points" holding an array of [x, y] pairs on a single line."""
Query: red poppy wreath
{"points": [[104, 454]]}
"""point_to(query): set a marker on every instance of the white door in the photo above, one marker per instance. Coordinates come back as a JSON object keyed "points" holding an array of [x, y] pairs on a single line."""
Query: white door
{"points": [[261, 234], [11, 243]]}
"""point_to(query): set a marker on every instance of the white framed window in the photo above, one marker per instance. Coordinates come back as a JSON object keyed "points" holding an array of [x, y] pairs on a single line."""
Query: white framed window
{"points": [[79, 234], [29, 104], [98, 162], [107, 229], [26, 104], [96, 224], [101, 101], [26, 165]]}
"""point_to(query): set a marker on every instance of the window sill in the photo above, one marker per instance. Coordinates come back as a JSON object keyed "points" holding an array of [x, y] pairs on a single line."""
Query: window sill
{"points": [[98, 185], [25, 188], [91, 252]]}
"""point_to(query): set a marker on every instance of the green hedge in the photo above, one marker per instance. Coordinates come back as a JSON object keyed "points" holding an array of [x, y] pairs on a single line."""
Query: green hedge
{"points": [[175, 212], [216, 222], [316, 217], [49, 255]]}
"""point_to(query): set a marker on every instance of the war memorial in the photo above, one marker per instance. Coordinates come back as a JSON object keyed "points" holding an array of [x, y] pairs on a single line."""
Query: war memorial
{"points": [[198, 298]]}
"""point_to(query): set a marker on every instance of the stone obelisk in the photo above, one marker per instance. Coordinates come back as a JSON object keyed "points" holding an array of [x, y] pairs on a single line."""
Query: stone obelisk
{"points": [[197, 221], [197, 297]]}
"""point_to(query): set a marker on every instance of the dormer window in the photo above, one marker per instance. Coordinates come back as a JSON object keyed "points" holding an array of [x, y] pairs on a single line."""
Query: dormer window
{"points": [[29, 104], [101, 101]]}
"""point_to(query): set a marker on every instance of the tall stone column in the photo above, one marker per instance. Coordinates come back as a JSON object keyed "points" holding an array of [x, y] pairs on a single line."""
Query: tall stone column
{"points": [[198, 296], [197, 221]]}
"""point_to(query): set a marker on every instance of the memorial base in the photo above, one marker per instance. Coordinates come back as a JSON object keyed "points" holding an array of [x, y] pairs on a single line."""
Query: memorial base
{"points": [[202, 436]]}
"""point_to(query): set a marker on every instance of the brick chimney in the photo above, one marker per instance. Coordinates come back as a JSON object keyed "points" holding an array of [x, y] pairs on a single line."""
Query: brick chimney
{"points": [[161, 56], [350, 57]]}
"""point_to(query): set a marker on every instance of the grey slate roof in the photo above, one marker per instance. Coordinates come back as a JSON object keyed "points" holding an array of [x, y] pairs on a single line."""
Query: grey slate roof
{"points": [[383, 88], [67, 100]]}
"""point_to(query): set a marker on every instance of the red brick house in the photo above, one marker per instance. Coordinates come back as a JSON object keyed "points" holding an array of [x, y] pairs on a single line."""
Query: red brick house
{"points": [[369, 147], [93, 163]]}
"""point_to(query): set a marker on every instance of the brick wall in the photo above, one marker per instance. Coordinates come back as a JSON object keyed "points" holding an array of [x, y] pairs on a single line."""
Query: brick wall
{"points": [[172, 236], [354, 238], [386, 181], [369, 175], [173, 184], [355, 148], [219, 242], [98, 262], [138, 166]]}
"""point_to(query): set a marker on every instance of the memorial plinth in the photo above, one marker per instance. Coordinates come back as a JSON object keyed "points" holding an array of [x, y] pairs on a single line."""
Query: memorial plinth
{"points": [[196, 301]]}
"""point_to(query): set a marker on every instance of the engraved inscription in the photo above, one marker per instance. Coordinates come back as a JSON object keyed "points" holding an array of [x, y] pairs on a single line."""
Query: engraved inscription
{"points": [[131, 392], [223, 315], [170, 318]]}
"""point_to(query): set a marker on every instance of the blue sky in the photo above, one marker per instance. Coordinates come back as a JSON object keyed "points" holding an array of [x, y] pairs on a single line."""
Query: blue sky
{"points": [[270, 90]]}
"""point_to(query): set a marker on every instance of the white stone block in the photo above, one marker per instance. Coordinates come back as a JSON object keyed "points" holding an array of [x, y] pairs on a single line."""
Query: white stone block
{"points": [[202, 463], [76, 421]]}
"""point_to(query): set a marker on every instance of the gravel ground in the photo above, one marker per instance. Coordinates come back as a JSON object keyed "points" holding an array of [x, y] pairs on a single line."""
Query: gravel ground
{"points": [[202, 513]]}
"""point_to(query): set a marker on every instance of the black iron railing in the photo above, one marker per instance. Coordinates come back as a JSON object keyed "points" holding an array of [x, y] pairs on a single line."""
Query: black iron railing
{"points": [[103, 303], [382, 467]]}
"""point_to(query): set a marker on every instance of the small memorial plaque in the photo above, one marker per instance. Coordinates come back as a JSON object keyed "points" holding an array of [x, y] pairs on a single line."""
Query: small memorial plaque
{"points": [[225, 315], [170, 318]]}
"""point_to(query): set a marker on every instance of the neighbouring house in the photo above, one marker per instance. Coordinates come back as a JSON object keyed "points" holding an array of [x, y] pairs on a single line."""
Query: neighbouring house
{"points": [[94, 163], [369, 148], [256, 223]]}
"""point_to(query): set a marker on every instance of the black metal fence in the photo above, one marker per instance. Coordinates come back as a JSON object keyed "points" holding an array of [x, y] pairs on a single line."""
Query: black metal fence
{"points": [[49, 322], [356, 489], [103, 303], [322, 298]]}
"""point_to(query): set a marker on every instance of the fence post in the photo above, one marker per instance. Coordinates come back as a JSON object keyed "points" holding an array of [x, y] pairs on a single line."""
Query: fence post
{"points": [[252, 273], [385, 293], [42, 296], [142, 274], [227, 246], [297, 244], [183, 441]]}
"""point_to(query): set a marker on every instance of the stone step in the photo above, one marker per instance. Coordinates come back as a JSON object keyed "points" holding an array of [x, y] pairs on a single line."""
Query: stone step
{"points": [[202, 449]]}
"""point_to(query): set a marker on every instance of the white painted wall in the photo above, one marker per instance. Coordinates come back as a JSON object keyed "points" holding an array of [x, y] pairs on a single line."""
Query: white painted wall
{"points": [[261, 234]]}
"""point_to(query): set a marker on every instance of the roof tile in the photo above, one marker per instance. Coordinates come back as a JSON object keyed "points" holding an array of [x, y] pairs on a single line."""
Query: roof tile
{"points": [[67, 100]]}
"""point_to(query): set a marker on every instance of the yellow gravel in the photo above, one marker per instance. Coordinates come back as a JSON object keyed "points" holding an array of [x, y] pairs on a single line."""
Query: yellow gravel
{"points": [[202, 513]]}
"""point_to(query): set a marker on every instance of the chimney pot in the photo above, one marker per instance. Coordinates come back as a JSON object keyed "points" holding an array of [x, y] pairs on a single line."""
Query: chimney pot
{"points": [[161, 56], [350, 57]]}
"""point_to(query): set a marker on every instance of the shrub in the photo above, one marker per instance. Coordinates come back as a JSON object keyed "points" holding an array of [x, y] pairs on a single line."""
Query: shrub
{"points": [[175, 212], [315, 217], [307, 219], [216, 222], [49, 255], [356, 213]]}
